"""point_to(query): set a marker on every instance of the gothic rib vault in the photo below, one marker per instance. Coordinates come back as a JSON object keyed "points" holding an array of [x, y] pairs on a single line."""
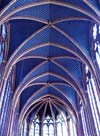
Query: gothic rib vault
{"points": [[48, 46]]}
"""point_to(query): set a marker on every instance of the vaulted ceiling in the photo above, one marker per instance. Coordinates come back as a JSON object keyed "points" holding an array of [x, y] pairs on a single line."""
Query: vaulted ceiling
{"points": [[49, 43]]}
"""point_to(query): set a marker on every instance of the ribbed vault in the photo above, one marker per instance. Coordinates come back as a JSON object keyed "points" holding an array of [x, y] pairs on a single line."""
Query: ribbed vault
{"points": [[49, 43]]}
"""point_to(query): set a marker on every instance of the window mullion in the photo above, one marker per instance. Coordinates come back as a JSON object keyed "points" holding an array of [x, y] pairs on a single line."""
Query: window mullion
{"points": [[92, 107]]}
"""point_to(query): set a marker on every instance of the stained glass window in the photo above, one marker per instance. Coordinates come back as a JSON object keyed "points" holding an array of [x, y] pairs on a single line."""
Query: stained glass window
{"points": [[72, 127], [93, 99], [52, 127], [2, 44], [35, 127], [48, 127], [85, 131], [96, 43]]}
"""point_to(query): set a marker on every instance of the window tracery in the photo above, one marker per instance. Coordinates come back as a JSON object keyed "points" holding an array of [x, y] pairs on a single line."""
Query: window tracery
{"points": [[51, 127], [35, 127], [48, 126]]}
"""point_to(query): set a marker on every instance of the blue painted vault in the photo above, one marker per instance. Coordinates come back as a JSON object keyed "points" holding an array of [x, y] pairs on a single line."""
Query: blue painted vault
{"points": [[49, 43]]}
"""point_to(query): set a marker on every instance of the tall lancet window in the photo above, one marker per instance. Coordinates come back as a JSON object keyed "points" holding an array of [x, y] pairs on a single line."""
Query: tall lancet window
{"points": [[5, 102], [3, 33], [59, 126], [35, 127], [62, 126], [71, 126], [49, 126], [83, 118], [96, 43], [94, 99]]}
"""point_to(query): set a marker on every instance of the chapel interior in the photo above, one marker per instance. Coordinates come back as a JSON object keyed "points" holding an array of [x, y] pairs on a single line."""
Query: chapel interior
{"points": [[49, 67]]}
